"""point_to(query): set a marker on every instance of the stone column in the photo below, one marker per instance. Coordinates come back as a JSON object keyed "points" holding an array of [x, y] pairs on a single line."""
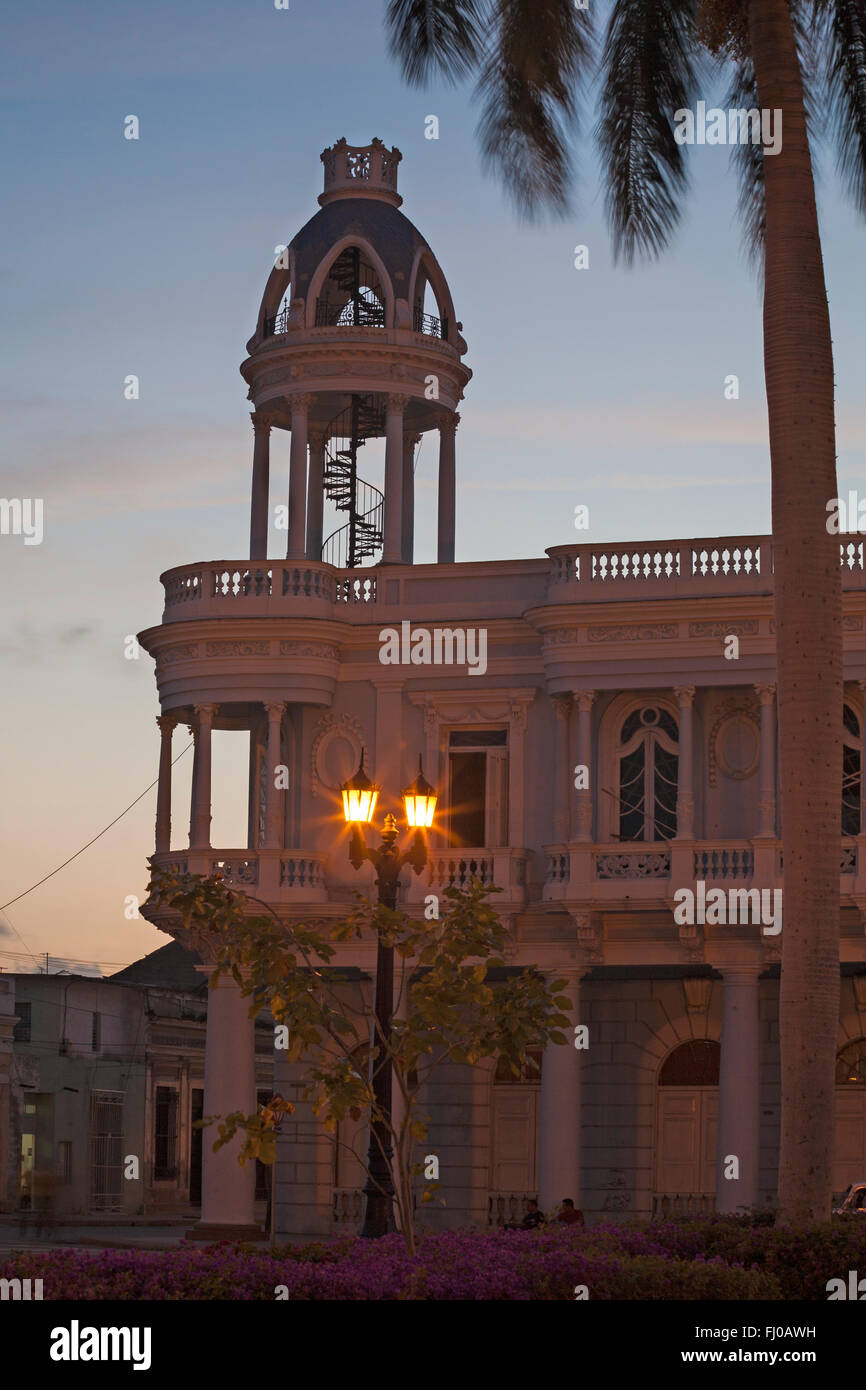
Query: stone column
{"points": [[685, 764], [410, 442], [166, 724], [300, 405], [447, 488], [559, 1124], [273, 798], [227, 1189], [261, 486], [316, 500], [201, 817], [392, 550], [767, 772], [584, 700], [564, 778], [739, 1090]]}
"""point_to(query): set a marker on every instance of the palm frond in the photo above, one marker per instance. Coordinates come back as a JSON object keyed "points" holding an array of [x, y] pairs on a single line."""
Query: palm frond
{"points": [[538, 53], [846, 86], [748, 160], [436, 36], [651, 62]]}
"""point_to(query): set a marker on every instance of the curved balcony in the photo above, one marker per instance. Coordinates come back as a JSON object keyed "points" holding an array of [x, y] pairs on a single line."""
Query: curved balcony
{"points": [[272, 875]]}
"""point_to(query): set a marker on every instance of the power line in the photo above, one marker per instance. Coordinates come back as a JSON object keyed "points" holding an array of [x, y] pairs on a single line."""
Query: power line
{"points": [[11, 901]]}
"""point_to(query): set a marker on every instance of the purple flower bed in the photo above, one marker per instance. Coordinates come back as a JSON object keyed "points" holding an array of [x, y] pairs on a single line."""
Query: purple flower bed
{"points": [[613, 1262]]}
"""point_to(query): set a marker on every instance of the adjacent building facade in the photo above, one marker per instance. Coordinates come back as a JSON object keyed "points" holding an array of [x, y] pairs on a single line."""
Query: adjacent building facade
{"points": [[615, 743], [101, 1089]]}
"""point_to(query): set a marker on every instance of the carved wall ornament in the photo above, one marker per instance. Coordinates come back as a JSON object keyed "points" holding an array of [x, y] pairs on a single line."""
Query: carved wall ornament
{"points": [[558, 635], [634, 632], [697, 992], [256, 648], [747, 628], [180, 651], [319, 649], [338, 742]]}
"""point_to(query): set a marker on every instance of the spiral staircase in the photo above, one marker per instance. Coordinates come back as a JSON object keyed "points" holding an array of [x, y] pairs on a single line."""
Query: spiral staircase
{"points": [[361, 537]]}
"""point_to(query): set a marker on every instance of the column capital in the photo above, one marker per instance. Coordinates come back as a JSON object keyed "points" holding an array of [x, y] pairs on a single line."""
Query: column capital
{"points": [[300, 401], [448, 423], [397, 402], [766, 693], [317, 438], [584, 699], [562, 705], [685, 694], [262, 421], [411, 441], [206, 712], [167, 722], [275, 708]]}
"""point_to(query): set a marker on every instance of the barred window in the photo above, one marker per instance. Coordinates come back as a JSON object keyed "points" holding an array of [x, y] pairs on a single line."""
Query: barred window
{"points": [[648, 771]]}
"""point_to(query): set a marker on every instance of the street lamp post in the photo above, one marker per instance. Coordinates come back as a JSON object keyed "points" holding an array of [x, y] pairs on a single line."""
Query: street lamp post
{"points": [[359, 802]]}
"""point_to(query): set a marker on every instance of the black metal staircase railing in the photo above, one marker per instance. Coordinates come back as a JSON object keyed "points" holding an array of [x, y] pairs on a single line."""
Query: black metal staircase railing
{"points": [[361, 537]]}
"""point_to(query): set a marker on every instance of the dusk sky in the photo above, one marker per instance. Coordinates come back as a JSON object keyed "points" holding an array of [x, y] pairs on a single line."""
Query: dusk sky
{"points": [[602, 386]]}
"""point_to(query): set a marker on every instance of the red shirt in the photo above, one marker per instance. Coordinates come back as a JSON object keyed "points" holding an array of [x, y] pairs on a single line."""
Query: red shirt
{"points": [[570, 1215]]}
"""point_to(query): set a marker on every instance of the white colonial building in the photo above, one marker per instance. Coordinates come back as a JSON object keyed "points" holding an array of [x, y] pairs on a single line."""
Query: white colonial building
{"points": [[616, 658]]}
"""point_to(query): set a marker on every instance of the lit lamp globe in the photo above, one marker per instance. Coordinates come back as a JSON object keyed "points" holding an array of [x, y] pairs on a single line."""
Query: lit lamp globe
{"points": [[359, 797], [419, 799]]}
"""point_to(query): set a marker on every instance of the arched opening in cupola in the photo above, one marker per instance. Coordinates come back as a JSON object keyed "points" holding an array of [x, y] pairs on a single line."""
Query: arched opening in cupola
{"points": [[428, 315], [351, 295]]}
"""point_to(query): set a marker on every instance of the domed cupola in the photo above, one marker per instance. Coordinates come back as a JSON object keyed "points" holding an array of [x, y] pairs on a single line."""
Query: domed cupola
{"points": [[356, 340]]}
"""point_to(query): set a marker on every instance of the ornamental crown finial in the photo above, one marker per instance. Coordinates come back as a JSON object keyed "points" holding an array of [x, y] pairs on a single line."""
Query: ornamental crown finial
{"points": [[360, 171]]}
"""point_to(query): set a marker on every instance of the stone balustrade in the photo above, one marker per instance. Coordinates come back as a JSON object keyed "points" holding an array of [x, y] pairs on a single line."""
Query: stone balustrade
{"points": [[596, 573]]}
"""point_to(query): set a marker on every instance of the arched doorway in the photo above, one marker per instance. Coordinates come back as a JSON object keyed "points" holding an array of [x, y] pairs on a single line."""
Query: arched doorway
{"points": [[686, 1128], [850, 1152]]}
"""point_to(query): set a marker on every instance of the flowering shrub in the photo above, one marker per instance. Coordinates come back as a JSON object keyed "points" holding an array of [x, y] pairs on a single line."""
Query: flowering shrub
{"points": [[613, 1263]]}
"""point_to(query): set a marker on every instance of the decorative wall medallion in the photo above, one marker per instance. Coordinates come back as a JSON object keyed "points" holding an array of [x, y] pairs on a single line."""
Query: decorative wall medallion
{"points": [[181, 651], [336, 751], [634, 632], [735, 742], [237, 648]]}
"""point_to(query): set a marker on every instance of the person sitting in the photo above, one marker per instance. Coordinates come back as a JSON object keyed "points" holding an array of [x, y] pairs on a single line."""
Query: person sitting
{"points": [[533, 1218], [569, 1215]]}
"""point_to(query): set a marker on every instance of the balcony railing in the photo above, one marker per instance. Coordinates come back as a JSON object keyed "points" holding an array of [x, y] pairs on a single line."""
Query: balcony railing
{"points": [[683, 1204], [361, 314], [736, 564], [429, 325], [508, 1208]]}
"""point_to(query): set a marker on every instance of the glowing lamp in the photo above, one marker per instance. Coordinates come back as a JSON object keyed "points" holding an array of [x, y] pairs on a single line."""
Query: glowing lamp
{"points": [[359, 797], [419, 799]]}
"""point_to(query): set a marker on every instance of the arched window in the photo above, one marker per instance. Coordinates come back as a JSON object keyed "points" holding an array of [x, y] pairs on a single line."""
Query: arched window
{"points": [[648, 761], [694, 1063], [851, 746], [851, 1064], [351, 296]]}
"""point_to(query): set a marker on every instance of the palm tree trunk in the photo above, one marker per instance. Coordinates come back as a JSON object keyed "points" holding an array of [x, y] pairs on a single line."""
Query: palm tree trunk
{"points": [[798, 366]]}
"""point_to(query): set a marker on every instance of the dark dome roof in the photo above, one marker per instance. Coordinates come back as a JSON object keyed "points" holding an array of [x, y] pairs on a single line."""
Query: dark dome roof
{"points": [[392, 235]]}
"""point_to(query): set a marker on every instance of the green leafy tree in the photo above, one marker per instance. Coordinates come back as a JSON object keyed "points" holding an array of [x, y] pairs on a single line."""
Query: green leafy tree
{"points": [[807, 59], [447, 1010]]}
